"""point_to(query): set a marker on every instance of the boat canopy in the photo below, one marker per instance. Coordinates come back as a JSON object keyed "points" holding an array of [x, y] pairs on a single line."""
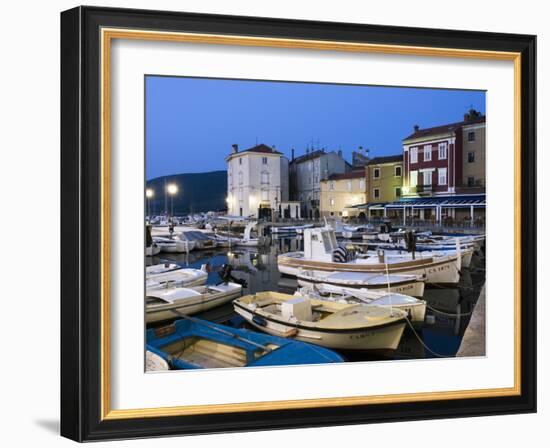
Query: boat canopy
{"points": [[193, 235]]}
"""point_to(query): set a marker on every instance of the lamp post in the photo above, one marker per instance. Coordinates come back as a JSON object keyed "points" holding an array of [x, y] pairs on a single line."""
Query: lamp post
{"points": [[172, 190], [149, 194]]}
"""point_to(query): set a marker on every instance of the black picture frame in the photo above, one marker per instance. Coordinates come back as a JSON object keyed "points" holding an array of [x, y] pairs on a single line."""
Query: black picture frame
{"points": [[81, 224]]}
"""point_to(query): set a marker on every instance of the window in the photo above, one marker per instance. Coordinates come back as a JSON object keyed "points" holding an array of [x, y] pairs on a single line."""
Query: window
{"points": [[376, 193], [362, 184], [471, 181], [427, 153], [414, 155], [331, 185], [240, 177], [240, 161], [265, 195], [349, 185], [414, 178], [442, 176], [427, 177], [397, 192], [376, 173], [398, 171], [442, 151], [471, 157], [471, 136], [331, 201], [265, 177], [264, 160]]}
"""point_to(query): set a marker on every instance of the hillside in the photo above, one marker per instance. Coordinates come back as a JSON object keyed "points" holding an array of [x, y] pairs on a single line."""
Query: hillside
{"points": [[197, 192]]}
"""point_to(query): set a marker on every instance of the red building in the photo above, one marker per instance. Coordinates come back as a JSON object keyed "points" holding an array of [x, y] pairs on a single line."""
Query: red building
{"points": [[434, 158]]}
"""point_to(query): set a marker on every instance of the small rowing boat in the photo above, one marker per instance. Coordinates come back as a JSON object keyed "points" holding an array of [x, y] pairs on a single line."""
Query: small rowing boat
{"points": [[199, 344], [415, 308], [166, 303], [179, 277], [323, 322], [412, 285]]}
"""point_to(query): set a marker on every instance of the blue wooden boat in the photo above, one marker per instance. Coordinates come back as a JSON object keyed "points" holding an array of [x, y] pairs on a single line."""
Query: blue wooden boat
{"points": [[193, 343]]}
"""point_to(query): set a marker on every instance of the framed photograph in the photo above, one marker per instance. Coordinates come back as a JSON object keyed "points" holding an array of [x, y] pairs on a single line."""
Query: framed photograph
{"points": [[277, 224]]}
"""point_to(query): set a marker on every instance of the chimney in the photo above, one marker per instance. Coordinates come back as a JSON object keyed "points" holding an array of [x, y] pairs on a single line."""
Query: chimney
{"points": [[307, 150], [416, 128], [292, 152], [360, 150], [340, 153], [235, 148]]}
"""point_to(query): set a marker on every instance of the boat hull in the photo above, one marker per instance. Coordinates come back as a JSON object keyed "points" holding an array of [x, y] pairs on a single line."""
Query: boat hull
{"points": [[189, 306], [413, 288], [443, 271], [376, 338]]}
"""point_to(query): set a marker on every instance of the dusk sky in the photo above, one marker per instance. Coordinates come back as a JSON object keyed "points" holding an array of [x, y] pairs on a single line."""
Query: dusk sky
{"points": [[192, 123]]}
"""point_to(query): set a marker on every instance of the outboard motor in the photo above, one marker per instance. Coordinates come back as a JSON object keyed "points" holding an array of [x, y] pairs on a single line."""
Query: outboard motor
{"points": [[226, 276]]}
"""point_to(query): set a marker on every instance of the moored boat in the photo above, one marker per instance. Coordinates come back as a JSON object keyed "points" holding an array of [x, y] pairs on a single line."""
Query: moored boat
{"points": [[415, 308], [322, 253], [322, 322], [169, 303], [161, 268], [173, 245], [180, 277], [199, 344], [412, 285]]}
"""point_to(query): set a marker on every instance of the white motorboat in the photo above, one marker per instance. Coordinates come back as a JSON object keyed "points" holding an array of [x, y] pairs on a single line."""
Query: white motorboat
{"points": [[323, 322], [415, 308], [412, 285], [322, 253], [180, 277], [155, 363], [285, 230], [169, 303]]}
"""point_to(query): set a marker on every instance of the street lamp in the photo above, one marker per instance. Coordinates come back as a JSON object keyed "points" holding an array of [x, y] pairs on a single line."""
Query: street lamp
{"points": [[149, 194], [172, 190]]}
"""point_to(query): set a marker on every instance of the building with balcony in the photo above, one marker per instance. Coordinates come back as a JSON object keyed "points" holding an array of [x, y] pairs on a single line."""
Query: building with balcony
{"points": [[257, 182], [442, 162], [340, 193], [305, 175]]}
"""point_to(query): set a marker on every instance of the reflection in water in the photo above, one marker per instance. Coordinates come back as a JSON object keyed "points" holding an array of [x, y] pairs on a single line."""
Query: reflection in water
{"points": [[448, 311]]}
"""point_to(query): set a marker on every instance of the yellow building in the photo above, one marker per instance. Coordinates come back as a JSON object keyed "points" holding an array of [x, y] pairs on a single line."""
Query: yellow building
{"points": [[384, 178], [341, 191]]}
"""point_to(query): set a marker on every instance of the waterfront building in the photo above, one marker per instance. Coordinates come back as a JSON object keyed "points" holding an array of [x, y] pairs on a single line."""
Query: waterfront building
{"points": [[257, 182], [384, 182], [340, 193], [306, 173], [442, 163]]}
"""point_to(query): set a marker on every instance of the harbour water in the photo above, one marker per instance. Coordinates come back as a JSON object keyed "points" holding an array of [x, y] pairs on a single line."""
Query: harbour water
{"points": [[447, 316]]}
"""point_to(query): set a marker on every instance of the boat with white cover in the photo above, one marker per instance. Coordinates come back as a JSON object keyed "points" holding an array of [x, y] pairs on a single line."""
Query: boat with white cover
{"points": [[180, 277], [168, 303], [412, 285], [322, 253], [173, 245], [323, 322], [415, 308], [200, 240]]}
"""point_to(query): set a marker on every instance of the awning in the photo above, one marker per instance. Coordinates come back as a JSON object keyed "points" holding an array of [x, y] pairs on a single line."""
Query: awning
{"points": [[370, 206], [455, 201]]}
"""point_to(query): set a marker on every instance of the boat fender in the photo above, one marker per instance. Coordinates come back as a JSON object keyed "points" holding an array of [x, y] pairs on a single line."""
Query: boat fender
{"points": [[340, 255]]}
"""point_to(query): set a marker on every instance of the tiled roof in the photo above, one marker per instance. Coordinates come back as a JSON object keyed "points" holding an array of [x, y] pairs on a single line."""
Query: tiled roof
{"points": [[262, 148], [444, 129], [355, 174], [385, 159]]}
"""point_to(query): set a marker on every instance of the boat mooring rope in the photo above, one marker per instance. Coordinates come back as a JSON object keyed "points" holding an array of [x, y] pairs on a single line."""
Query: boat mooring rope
{"points": [[437, 355], [448, 314]]}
